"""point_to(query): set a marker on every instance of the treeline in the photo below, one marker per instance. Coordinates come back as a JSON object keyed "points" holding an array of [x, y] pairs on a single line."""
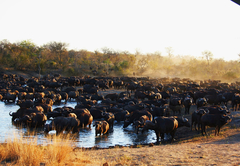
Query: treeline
{"points": [[54, 56]]}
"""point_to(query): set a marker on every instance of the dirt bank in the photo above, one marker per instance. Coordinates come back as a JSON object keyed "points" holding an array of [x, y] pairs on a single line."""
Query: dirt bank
{"points": [[193, 149]]}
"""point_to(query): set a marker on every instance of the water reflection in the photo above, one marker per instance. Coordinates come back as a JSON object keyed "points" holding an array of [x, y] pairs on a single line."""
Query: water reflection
{"points": [[85, 138]]}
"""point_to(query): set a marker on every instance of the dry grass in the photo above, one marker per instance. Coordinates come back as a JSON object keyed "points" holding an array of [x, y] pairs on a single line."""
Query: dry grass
{"points": [[56, 150], [20, 152]]}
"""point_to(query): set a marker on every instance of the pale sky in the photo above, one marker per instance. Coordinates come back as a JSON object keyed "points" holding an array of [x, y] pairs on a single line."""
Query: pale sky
{"points": [[188, 26]]}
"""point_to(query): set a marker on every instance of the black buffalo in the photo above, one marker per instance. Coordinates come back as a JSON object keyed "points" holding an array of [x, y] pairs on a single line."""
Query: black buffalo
{"points": [[201, 102], [121, 115], [187, 102], [32, 120], [162, 125], [196, 118], [214, 120], [139, 123], [136, 115], [61, 124]]}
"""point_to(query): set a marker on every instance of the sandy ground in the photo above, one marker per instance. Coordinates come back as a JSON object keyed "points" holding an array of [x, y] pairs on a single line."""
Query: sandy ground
{"points": [[191, 150], [224, 152]]}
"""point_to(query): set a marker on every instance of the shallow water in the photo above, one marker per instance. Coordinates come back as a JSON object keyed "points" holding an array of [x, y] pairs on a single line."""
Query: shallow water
{"points": [[86, 137]]}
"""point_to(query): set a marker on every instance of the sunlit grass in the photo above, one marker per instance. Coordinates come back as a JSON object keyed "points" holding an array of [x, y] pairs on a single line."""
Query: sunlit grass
{"points": [[26, 151], [21, 151]]}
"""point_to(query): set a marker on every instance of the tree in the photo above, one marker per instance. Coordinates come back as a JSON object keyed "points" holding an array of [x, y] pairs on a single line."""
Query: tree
{"points": [[169, 51], [58, 48], [142, 64], [28, 56], [5, 52], [208, 55]]}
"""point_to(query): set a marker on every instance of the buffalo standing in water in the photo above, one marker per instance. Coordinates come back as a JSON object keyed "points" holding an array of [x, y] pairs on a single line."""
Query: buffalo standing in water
{"points": [[63, 123], [162, 125], [101, 127]]}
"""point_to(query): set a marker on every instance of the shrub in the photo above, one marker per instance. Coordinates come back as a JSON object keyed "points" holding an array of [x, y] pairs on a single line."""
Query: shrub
{"points": [[230, 75]]}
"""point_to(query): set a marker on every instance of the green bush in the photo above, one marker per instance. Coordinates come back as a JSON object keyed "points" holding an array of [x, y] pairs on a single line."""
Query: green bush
{"points": [[71, 71]]}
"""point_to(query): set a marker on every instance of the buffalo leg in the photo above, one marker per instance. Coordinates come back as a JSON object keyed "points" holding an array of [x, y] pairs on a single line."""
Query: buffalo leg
{"points": [[199, 126], [217, 129], [172, 134], [162, 137], [203, 129], [158, 135]]}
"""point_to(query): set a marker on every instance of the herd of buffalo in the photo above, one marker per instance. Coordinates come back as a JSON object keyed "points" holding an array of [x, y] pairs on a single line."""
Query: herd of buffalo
{"points": [[159, 104]]}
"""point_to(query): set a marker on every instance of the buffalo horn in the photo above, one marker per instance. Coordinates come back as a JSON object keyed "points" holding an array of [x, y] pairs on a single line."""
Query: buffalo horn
{"points": [[10, 113], [207, 111], [142, 122], [131, 103], [184, 119], [127, 116], [103, 113], [149, 123]]}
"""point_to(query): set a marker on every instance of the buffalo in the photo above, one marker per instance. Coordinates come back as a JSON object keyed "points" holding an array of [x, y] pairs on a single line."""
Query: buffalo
{"points": [[214, 120], [21, 112], [121, 115], [196, 118], [187, 102], [175, 104], [61, 124], [73, 95], [139, 123], [215, 109], [32, 120], [25, 103], [11, 96], [109, 117], [136, 115], [101, 127], [85, 119], [112, 96], [38, 119], [235, 101], [182, 122], [162, 125], [160, 111], [201, 102]]}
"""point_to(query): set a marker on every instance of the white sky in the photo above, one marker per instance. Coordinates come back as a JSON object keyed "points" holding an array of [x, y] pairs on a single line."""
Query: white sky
{"points": [[188, 26]]}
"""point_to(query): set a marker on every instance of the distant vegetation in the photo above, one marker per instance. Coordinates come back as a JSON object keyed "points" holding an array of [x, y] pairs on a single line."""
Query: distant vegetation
{"points": [[55, 56]]}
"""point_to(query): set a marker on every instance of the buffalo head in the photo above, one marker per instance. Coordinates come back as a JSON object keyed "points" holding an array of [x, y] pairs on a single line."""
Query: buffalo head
{"points": [[184, 122], [226, 119], [14, 115], [47, 128], [149, 125], [126, 123]]}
